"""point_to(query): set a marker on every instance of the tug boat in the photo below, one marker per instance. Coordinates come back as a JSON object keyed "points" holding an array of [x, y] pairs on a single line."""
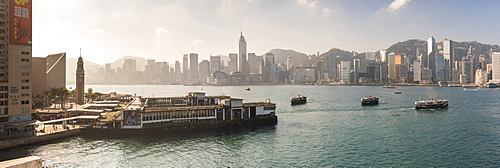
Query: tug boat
{"points": [[431, 104], [368, 101], [397, 92], [298, 100]]}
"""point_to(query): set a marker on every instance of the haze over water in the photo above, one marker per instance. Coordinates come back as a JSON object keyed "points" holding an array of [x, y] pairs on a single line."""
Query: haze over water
{"points": [[332, 129]]}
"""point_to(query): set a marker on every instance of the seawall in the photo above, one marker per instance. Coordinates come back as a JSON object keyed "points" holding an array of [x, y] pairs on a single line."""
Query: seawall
{"points": [[36, 139]]}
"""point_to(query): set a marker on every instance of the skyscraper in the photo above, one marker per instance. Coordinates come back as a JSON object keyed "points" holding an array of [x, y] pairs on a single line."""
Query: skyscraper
{"points": [[345, 71], [391, 58], [431, 56], [243, 64], [495, 66], [448, 59], [331, 67], [178, 73], [233, 62], [214, 64], [193, 67], [204, 70], [383, 56], [185, 68]]}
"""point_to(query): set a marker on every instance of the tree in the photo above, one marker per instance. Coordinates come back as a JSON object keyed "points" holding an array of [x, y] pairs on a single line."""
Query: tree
{"points": [[59, 94]]}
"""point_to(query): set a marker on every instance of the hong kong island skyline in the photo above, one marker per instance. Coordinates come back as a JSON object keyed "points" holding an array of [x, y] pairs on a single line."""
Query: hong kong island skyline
{"points": [[165, 30]]}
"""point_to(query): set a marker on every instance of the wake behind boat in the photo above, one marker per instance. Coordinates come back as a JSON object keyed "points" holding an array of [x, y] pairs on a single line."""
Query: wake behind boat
{"points": [[367, 101], [298, 100], [431, 104]]}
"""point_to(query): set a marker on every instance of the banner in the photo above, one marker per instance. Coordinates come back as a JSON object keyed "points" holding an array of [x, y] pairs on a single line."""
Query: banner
{"points": [[20, 21]]}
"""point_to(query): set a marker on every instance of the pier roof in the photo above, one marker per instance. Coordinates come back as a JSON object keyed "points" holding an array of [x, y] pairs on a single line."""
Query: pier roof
{"points": [[178, 108]]}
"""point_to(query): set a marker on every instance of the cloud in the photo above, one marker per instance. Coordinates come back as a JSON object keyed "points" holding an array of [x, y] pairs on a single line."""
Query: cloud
{"points": [[326, 11], [161, 30], [97, 30], [394, 6], [313, 7], [197, 42]]}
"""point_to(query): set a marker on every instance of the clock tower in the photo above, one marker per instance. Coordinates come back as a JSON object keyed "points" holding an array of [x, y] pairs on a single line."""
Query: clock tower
{"points": [[80, 80]]}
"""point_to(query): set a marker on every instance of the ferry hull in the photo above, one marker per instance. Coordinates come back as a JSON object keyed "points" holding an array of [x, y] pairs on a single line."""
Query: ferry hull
{"points": [[436, 106]]}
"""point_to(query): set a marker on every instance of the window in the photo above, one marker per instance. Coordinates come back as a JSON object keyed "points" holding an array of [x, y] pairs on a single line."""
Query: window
{"points": [[25, 87], [24, 67], [2, 74], [4, 119], [4, 88], [22, 95], [25, 102], [25, 110], [25, 60], [25, 74], [25, 80], [3, 103]]}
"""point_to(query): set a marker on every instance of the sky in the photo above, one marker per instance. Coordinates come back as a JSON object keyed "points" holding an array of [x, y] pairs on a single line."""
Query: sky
{"points": [[164, 30]]}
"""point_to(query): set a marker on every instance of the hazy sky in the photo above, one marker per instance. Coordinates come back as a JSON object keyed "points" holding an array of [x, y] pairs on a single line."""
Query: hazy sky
{"points": [[166, 29]]}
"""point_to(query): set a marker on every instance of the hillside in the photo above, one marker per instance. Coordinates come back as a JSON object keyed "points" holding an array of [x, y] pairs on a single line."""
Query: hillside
{"points": [[281, 55]]}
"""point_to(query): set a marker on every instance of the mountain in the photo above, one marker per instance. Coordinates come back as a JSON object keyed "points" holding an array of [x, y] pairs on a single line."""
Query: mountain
{"points": [[140, 62], [281, 55]]}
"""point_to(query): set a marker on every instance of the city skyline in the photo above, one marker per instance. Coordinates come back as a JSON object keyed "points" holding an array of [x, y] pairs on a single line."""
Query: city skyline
{"points": [[107, 30]]}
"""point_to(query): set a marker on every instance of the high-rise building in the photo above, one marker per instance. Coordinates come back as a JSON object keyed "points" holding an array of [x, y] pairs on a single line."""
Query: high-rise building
{"points": [[165, 72], [204, 70], [178, 73], [233, 62], [185, 68], [289, 63], [391, 62], [417, 71], [331, 67], [345, 71], [243, 64], [448, 54], [431, 56], [269, 72], [356, 63], [383, 56], [214, 64], [193, 67], [254, 64], [440, 63], [495, 66]]}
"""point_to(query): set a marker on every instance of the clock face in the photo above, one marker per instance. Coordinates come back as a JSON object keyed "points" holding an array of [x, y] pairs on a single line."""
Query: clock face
{"points": [[79, 79]]}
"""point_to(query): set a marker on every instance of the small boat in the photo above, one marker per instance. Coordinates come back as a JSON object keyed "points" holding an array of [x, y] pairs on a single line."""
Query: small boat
{"points": [[397, 92], [247, 89], [367, 101], [298, 100], [431, 104], [389, 86]]}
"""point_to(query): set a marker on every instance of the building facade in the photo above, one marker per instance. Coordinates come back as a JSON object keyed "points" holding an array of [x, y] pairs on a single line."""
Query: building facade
{"points": [[15, 61]]}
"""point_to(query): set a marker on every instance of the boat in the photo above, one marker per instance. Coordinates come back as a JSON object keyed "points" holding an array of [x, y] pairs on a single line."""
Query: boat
{"points": [[298, 100], [389, 86], [397, 92], [490, 85], [247, 89], [431, 104], [367, 101]]}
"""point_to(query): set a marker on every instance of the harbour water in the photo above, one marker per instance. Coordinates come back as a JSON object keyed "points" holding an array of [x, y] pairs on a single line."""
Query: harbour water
{"points": [[332, 129]]}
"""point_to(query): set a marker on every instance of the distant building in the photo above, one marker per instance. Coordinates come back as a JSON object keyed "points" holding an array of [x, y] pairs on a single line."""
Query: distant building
{"points": [[495, 66], [391, 62], [178, 73], [233, 62], [304, 75], [48, 72], [431, 57], [185, 67], [417, 71], [204, 71], [440, 69], [331, 67], [255, 63], [215, 64], [193, 67], [383, 56], [243, 64], [448, 54], [356, 72], [345, 71]]}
